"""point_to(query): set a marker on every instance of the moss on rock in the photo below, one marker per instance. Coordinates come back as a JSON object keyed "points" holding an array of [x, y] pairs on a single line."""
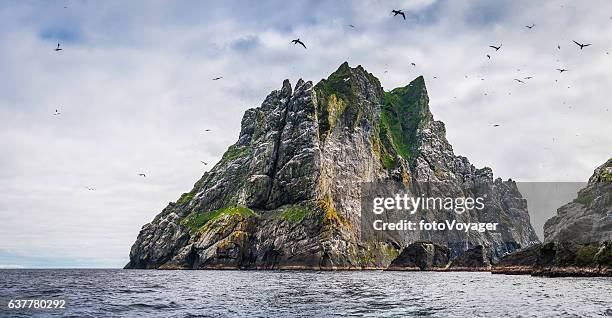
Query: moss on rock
{"points": [[404, 110], [196, 220], [234, 152], [295, 214]]}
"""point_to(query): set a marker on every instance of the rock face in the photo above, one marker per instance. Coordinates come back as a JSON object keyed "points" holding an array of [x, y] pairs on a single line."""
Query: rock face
{"points": [[588, 218], [474, 259], [518, 263], [578, 240], [287, 195], [421, 256]]}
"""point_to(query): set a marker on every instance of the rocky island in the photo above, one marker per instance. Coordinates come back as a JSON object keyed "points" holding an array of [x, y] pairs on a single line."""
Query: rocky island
{"points": [[577, 241], [286, 195]]}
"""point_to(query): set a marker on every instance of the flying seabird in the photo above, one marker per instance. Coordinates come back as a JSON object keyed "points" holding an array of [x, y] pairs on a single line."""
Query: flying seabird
{"points": [[217, 78], [529, 77], [489, 56], [581, 45], [412, 64], [207, 129], [142, 175], [530, 26], [58, 47], [518, 80], [297, 41], [56, 113], [400, 12], [205, 163], [561, 70], [496, 125], [496, 47]]}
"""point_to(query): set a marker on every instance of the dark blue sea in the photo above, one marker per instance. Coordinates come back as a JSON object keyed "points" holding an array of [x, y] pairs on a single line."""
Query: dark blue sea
{"points": [[142, 293]]}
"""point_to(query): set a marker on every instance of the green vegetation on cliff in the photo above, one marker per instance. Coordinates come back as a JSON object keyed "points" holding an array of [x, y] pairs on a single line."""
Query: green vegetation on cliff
{"points": [[295, 214], [404, 110], [196, 220], [338, 97], [234, 152], [186, 197]]}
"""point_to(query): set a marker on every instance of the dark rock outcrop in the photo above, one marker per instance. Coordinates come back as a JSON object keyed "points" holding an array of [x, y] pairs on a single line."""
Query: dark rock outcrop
{"points": [[287, 195], [421, 256], [477, 258], [518, 263], [559, 259]]}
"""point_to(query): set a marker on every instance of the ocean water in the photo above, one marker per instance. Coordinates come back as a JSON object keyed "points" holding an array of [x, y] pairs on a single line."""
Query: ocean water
{"points": [[141, 293]]}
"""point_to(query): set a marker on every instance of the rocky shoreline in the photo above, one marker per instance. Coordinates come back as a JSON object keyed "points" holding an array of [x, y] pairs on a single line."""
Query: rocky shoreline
{"points": [[555, 271], [559, 260]]}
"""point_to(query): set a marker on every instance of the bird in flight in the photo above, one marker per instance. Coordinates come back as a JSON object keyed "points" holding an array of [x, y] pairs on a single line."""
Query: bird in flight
{"points": [[90, 188], [217, 78], [496, 125], [297, 41], [489, 56], [529, 77], [205, 163], [558, 47], [346, 79], [518, 80], [561, 70], [496, 47], [58, 48], [400, 12], [581, 45], [142, 175], [412, 64], [207, 129], [352, 26], [530, 26], [56, 113]]}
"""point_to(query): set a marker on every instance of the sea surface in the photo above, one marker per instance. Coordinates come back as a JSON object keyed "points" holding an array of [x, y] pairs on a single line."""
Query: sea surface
{"points": [[142, 293]]}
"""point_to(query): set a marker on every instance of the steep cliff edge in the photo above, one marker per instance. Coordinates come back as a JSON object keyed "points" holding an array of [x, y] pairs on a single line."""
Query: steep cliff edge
{"points": [[578, 240], [287, 194]]}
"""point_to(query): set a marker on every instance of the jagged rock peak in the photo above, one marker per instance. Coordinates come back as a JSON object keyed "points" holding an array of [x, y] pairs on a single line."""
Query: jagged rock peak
{"points": [[287, 194]]}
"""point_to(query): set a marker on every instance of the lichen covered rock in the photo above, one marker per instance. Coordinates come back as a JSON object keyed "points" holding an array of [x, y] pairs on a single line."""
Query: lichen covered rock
{"points": [[287, 194]]}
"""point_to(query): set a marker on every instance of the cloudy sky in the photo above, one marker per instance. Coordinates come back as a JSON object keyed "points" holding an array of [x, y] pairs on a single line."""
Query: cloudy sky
{"points": [[134, 87]]}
